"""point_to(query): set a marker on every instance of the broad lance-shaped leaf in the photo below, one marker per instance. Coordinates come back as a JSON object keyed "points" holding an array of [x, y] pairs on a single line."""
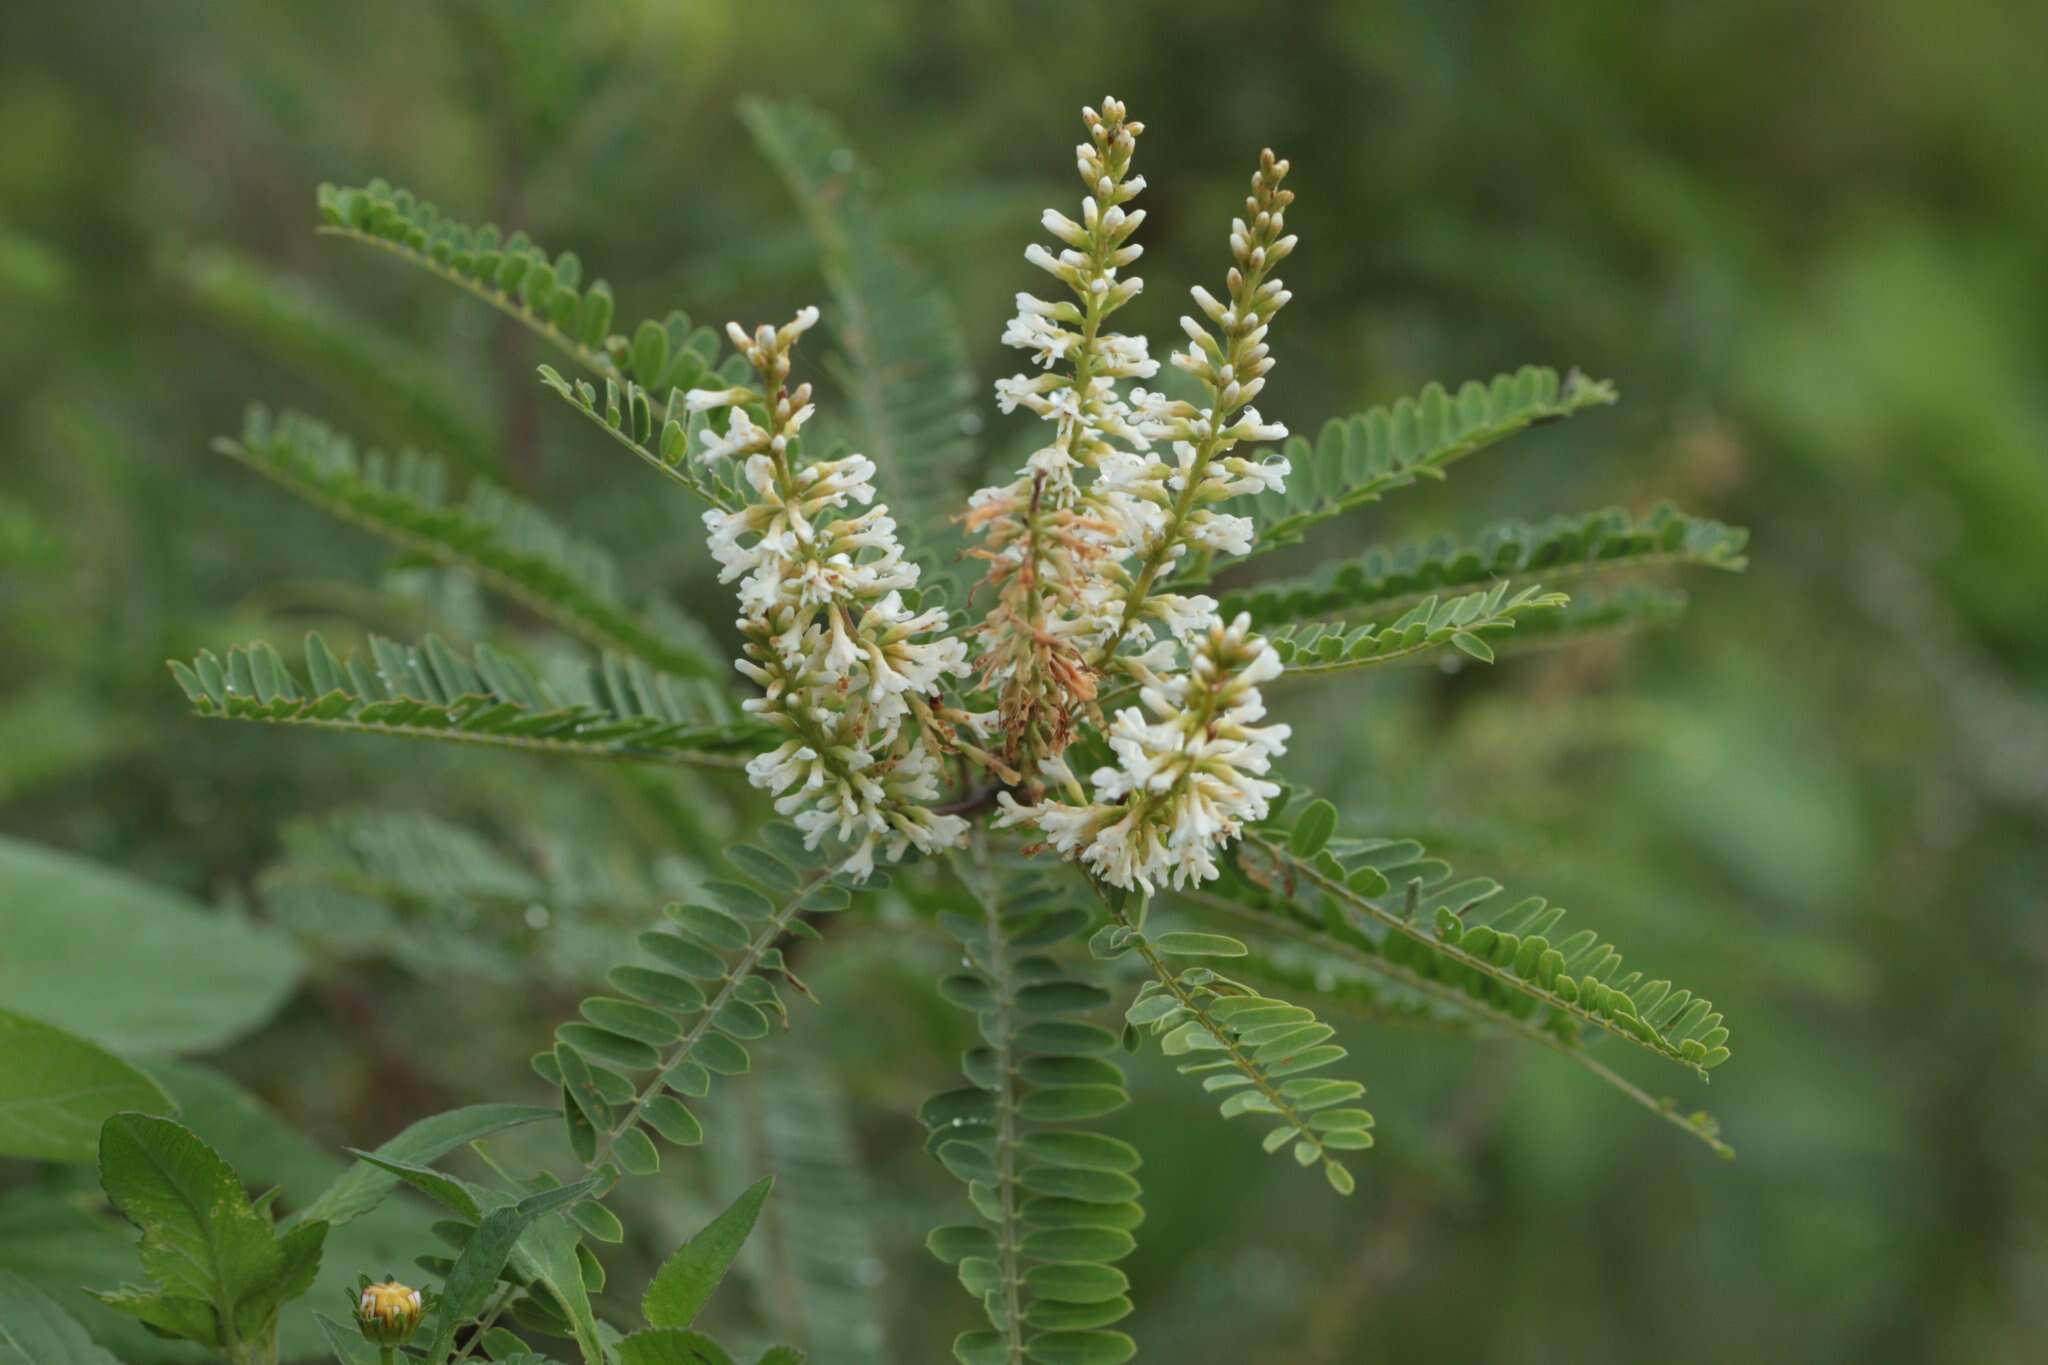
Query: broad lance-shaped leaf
{"points": [[168, 974], [687, 1278], [544, 1254], [1384, 580], [1059, 1202], [475, 1274], [222, 1272], [509, 544], [349, 1345], [57, 1089], [618, 708], [905, 364], [363, 1186], [671, 1346], [1419, 917], [35, 1330], [1356, 460], [1255, 1051]]}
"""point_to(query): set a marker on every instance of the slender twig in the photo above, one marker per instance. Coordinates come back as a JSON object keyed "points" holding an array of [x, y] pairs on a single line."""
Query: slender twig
{"points": [[689, 758]]}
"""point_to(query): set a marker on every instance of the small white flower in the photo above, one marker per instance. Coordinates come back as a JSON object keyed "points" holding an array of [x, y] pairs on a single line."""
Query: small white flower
{"points": [[1186, 781], [835, 652], [704, 400]]}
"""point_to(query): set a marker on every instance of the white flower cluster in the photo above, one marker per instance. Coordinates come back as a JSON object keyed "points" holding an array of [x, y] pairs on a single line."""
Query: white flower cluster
{"points": [[1077, 562], [1185, 781], [846, 669], [1129, 484]]}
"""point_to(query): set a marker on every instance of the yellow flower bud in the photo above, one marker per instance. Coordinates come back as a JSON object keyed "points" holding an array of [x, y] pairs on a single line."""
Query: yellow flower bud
{"points": [[388, 1312]]}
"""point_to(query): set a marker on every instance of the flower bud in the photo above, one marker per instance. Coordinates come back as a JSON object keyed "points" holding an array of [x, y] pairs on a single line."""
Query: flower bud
{"points": [[388, 1312]]}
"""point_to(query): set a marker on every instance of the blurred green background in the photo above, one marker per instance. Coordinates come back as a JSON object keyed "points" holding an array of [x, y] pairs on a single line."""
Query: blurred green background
{"points": [[1809, 242]]}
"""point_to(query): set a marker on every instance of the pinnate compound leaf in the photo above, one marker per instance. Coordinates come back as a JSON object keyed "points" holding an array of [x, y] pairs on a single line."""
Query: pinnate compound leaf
{"points": [[1359, 459], [616, 708]]}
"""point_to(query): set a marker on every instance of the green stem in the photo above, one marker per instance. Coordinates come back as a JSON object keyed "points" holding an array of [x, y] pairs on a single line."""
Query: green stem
{"points": [[483, 1325], [998, 968], [688, 758]]}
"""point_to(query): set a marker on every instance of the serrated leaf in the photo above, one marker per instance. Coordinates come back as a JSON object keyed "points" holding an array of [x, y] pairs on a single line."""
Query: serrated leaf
{"points": [[688, 1277], [363, 1186]]}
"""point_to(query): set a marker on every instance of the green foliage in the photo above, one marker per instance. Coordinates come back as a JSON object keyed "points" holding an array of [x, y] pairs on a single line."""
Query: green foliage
{"points": [[168, 976], [1387, 898], [221, 1271], [619, 708], [687, 1278], [1462, 623], [1823, 307], [904, 362], [1357, 460], [626, 412], [525, 1229], [35, 1329], [1058, 1203], [56, 1090], [1407, 995], [408, 886], [1255, 1051], [474, 1276], [510, 545], [1062, 1200], [364, 1185], [1608, 541], [706, 987], [819, 1243]]}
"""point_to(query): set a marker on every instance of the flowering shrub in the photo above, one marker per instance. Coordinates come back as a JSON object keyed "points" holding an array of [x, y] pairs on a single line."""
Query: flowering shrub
{"points": [[1078, 748]]}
